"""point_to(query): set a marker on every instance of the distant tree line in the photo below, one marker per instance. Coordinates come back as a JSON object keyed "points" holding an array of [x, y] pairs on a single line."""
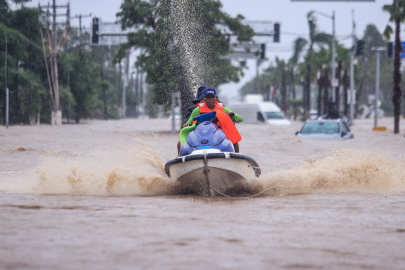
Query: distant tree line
{"points": [[90, 84], [309, 69]]}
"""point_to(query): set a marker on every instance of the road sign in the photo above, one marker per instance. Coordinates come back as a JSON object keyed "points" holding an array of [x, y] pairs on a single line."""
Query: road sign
{"points": [[335, 83], [110, 33], [247, 51]]}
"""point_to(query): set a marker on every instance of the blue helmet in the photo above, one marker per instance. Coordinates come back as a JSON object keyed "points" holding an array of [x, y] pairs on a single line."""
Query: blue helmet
{"points": [[210, 91]]}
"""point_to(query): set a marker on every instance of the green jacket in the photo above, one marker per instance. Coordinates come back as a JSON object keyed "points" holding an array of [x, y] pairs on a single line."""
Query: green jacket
{"points": [[196, 112]]}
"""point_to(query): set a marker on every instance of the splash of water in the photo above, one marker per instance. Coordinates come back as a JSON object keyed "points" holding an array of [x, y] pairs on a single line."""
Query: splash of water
{"points": [[137, 170], [340, 171], [134, 169]]}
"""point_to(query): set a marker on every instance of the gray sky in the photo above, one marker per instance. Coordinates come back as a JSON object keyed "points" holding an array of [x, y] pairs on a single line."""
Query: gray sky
{"points": [[291, 16]]}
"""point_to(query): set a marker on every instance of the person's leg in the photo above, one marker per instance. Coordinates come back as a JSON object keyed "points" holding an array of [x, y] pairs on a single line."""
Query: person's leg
{"points": [[178, 148], [236, 146]]}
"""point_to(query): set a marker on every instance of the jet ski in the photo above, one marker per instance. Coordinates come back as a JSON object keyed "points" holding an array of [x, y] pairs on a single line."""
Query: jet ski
{"points": [[207, 163]]}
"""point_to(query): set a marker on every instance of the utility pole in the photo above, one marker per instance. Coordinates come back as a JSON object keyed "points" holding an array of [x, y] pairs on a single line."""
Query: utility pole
{"points": [[377, 81], [256, 84], [54, 25], [334, 82], [80, 16], [7, 93], [68, 81], [55, 59], [377, 85], [352, 52], [54, 48]]}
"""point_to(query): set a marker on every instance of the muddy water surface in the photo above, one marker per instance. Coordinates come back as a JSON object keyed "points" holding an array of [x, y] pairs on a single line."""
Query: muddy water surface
{"points": [[94, 196]]}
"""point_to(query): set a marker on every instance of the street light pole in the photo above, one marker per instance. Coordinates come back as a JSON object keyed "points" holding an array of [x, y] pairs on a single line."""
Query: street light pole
{"points": [[377, 82], [377, 86], [351, 95], [7, 93], [333, 60], [352, 52]]}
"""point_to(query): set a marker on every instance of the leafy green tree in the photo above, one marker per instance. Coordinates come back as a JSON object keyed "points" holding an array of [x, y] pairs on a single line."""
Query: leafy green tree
{"points": [[67, 102], [321, 67], [25, 61], [282, 68], [84, 92], [32, 94], [343, 60], [182, 45], [83, 81]]}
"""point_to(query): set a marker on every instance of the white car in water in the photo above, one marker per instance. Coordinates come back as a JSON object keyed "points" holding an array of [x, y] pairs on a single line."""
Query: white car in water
{"points": [[261, 112], [325, 130]]}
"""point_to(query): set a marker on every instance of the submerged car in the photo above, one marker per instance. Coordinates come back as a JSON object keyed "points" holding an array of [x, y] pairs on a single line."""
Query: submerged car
{"points": [[325, 130]]}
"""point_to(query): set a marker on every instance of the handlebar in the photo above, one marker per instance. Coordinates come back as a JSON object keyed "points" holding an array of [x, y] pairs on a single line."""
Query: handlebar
{"points": [[215, 120]]}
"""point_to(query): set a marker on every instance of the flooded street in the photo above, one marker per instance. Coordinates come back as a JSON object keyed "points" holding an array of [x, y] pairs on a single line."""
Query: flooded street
{"points": [[95, 196]]}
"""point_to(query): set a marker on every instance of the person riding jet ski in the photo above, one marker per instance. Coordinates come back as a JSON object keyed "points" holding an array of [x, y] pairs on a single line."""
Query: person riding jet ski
{"points": [[196, 103], [207, 163], [208, 104]]}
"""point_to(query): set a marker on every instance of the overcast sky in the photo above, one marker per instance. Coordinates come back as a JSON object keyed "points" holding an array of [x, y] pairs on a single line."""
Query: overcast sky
{"points": [[291, 16]]}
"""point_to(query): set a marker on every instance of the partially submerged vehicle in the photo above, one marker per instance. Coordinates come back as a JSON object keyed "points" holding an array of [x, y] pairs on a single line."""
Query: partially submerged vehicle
{"points": [[262, 112], [329, 129], [207, 163]]}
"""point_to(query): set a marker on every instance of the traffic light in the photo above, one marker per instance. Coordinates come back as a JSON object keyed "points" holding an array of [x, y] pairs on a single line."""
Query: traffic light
{"points": [[94, 37], [276, 37], [263, 51], [390, 49], [360, 47]]}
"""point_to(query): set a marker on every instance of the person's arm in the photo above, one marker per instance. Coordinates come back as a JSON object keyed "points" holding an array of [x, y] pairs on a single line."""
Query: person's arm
{"points": [[189, 112], [196, 112], [237, 118]]}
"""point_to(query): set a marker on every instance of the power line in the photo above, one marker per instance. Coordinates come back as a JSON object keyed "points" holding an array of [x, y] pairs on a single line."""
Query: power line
{"points": [[22, 37]]}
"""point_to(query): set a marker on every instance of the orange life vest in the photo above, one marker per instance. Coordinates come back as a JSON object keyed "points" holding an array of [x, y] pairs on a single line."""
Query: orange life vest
{"points": [[228, 127], [204, 108]]}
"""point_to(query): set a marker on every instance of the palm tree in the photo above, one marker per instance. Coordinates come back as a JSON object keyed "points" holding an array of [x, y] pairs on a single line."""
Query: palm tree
{"points": [[397, 15], [273, 79], [321, 64], [300, 44], [282, 70], [343, 58]]}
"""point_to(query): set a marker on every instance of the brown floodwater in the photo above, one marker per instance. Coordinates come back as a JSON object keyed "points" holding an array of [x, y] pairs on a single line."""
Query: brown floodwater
{"points": [[95, 196]]}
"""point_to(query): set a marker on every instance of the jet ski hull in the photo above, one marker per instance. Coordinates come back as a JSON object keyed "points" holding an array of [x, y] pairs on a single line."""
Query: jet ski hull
{"points": [[212, 172]]}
